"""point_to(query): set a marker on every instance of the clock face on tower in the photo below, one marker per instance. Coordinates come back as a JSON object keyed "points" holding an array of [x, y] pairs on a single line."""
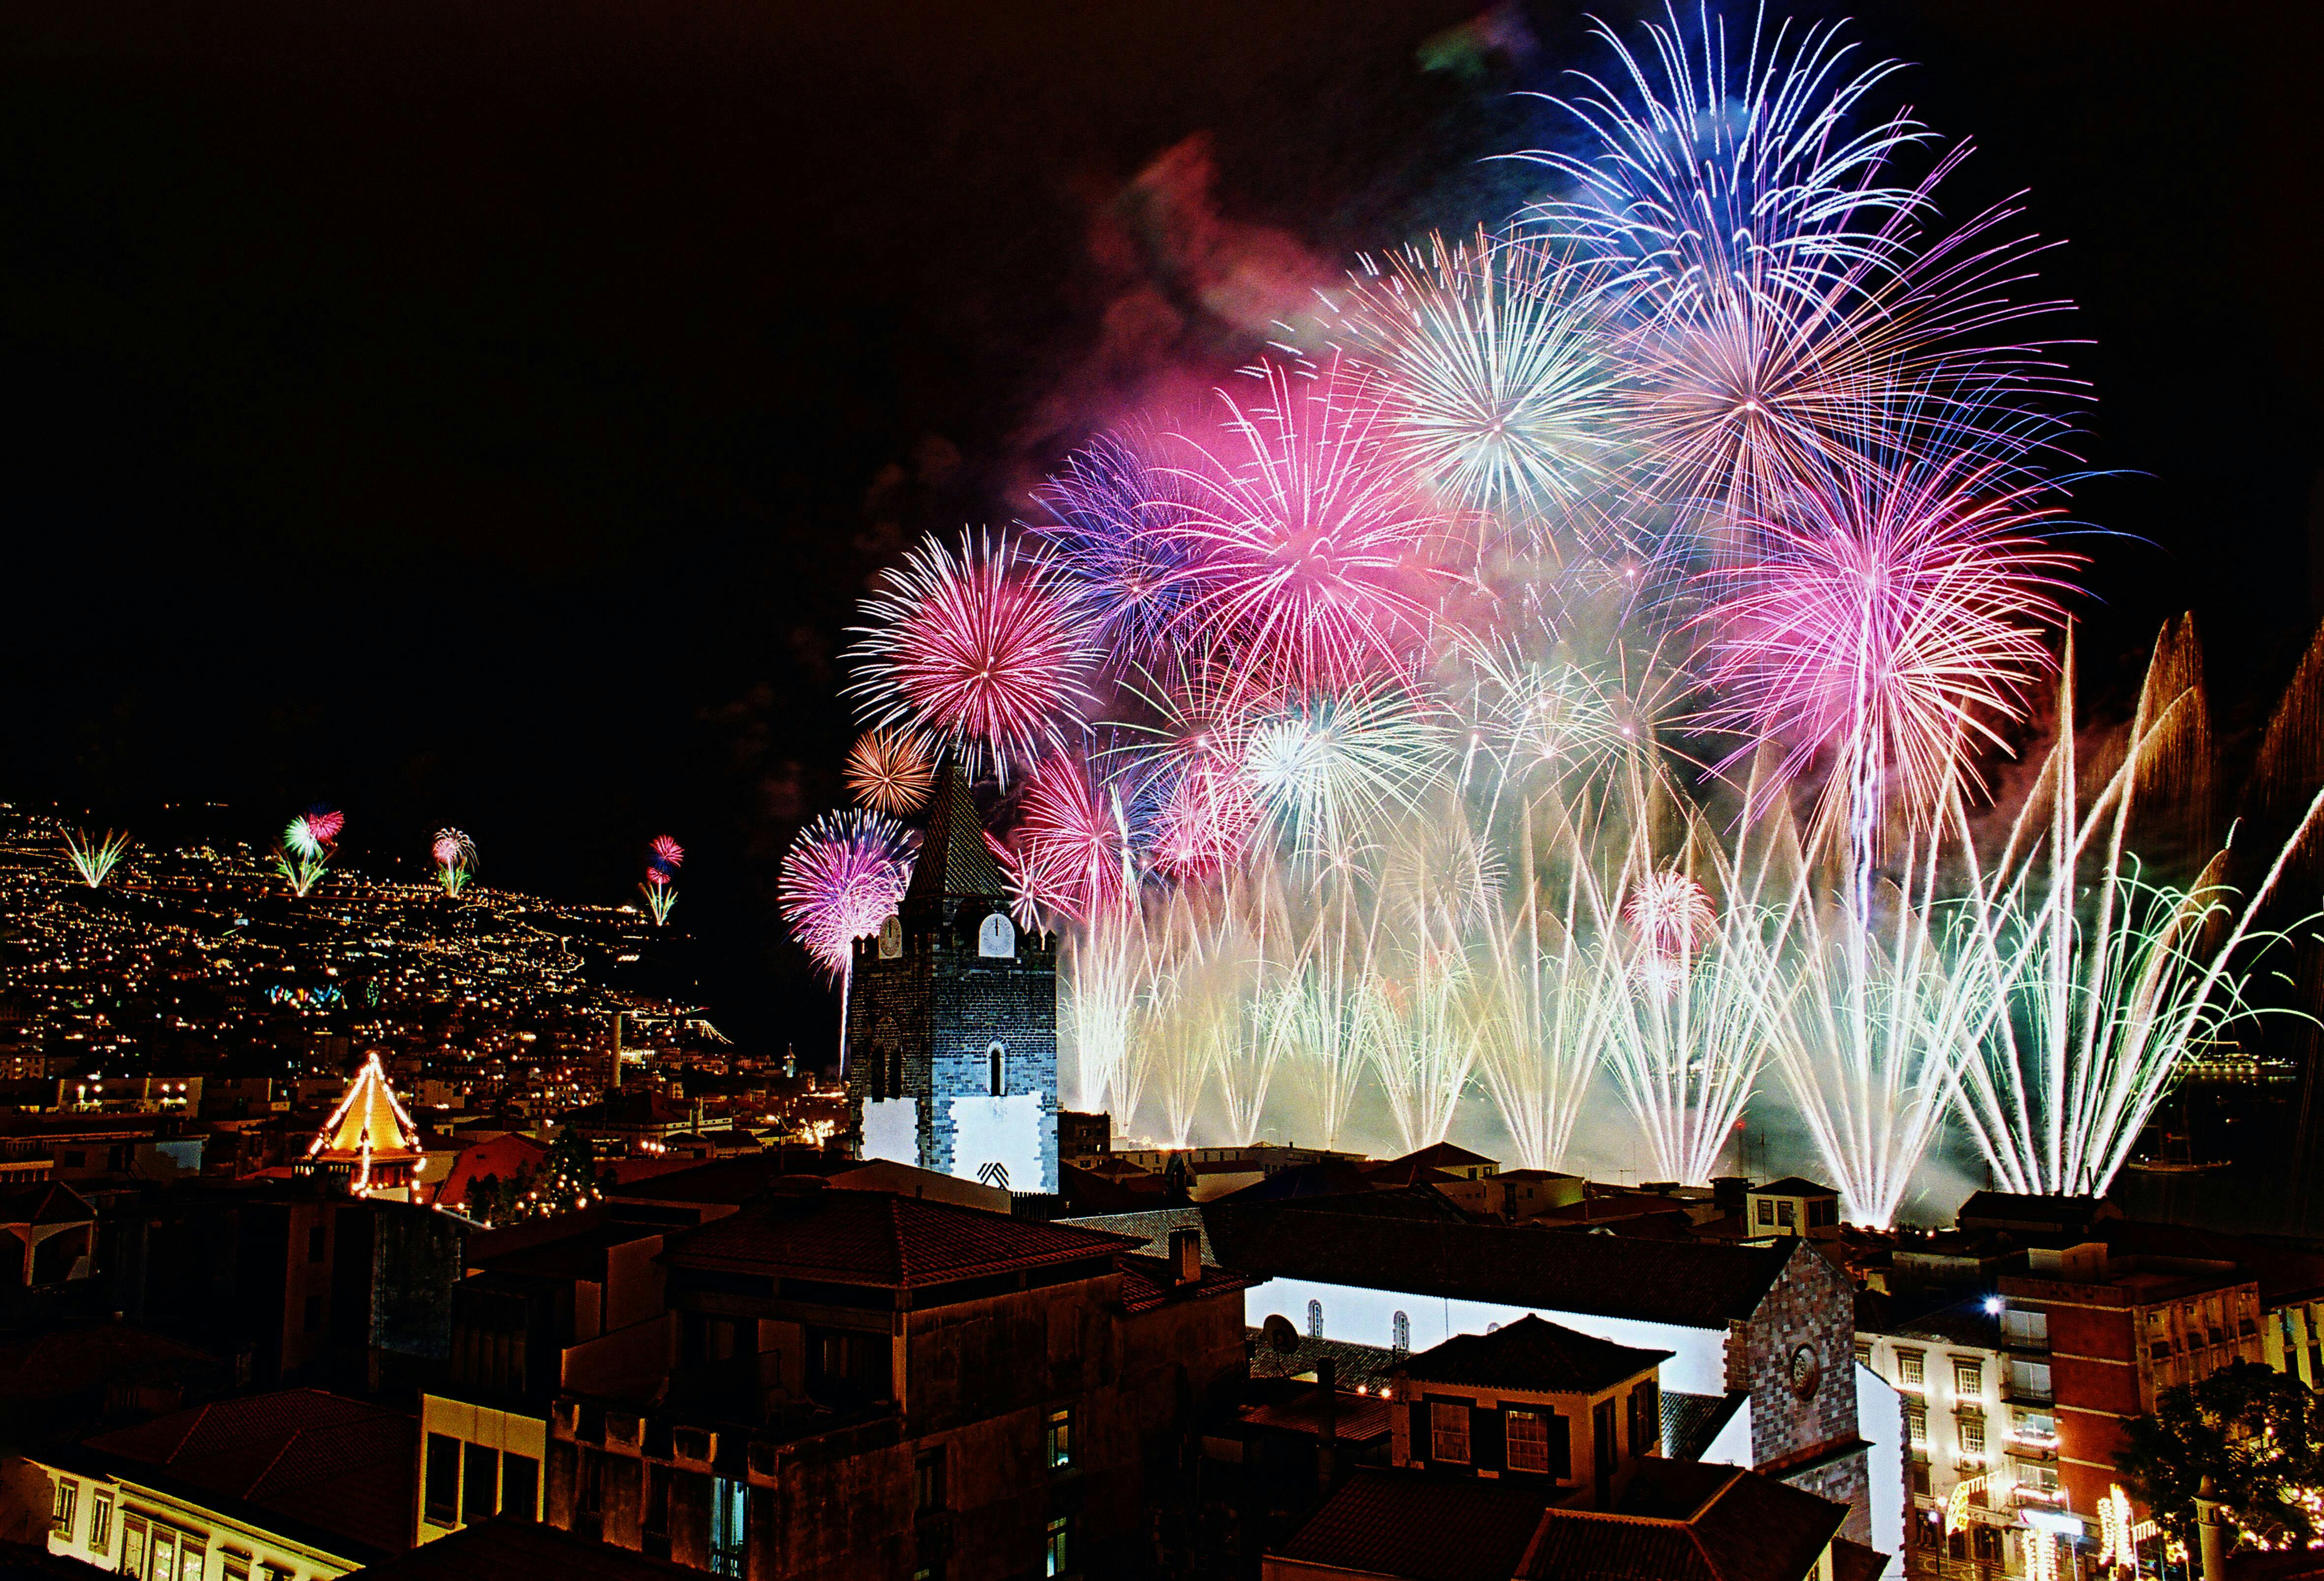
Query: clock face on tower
{"points": [[1806, 1372]]}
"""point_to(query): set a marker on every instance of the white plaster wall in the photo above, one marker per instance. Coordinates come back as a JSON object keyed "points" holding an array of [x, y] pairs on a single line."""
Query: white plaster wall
{"points": [[891, 1130], [1005, 1131], [1880, 1422]]}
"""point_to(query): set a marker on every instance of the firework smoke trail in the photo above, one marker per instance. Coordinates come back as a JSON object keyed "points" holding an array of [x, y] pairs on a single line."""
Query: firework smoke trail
{"points": [[1436, 882], [1497, 391], [455, 860], [93, 856], [986, 650], [1309, 558], [1535, 1019], [663, 857], [2104, 979], [1775, 272], [843, 877], [891, 772]]}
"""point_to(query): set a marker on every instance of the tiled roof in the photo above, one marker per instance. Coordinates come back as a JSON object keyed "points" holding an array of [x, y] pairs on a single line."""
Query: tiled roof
{"points": [[1353, 1416], [1153, 1226], [337, 1465], [1587, 1546], [1147, 1283], [1442, 1155], [1683, 1522], [44, 1202], [1696, 1284], [508, 1549], [878, 1238], [1535, 1356], [1692, 1422], [1354, 1365], [1399, 1522], [955, 860]]}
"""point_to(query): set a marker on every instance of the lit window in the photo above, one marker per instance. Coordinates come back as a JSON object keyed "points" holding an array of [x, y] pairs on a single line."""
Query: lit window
{"points": [[1057, 1548], [100, 1522], [1766, 1213], [1908, 1368], [61, 1512], [1972, 1434], [1448, 1432], [1917, 1424], [1968, 1377], [1060, 1439], [1528, 1441]]}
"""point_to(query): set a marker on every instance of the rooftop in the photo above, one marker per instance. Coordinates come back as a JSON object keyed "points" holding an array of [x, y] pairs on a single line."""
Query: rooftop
{"points": [[878, 1238], [1689, 1283], [1793, 1186], [1534, 1356], [508, 1549]]}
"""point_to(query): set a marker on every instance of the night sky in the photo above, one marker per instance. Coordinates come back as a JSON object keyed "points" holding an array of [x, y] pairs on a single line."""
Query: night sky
{"points": [[488, 414]]}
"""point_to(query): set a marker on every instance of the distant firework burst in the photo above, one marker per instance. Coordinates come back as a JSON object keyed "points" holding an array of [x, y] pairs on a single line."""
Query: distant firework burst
{"points": [[309, 843], [1071, 844], [663, 857], [1671, 919], [455, 859], [891, 770], [985, 648], [94, 857]]}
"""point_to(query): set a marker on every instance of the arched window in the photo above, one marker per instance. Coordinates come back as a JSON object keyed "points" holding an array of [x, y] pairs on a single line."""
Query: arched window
{"points": [[1314, 1319], [996, 1057], [1400, 1333], [1492, 1328], [998, 936], [895, 1073]]}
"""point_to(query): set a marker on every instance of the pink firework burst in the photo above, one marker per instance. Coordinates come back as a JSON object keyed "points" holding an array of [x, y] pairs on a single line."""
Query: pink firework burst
{"points": [[1672, 917], [1205, 824], [324, 824], [665, 853], [843, 877], [1308, 553], [1894, 618], [987, 649], [1071, 846]]}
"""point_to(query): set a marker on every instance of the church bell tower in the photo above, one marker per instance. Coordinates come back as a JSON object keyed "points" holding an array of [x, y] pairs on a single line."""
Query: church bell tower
{"points": [[952, 1021]]}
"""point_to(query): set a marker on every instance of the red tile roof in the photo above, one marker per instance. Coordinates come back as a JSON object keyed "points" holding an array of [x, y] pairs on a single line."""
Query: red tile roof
{"points": [[877, 1238], [1353, 1416], [1532, 1354], [1398, 1524], [329, 1462]]}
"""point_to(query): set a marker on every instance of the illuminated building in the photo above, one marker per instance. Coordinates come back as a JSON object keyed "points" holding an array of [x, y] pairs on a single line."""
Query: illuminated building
{"points": [[369, 1141], [952, 1018]]}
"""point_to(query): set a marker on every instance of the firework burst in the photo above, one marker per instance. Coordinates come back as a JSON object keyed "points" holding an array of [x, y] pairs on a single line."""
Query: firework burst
{"points": [[1325, 770], [663, 858], [94, 857], [892, 770], [1309, 555], [987, 649], [1497, 391], [1118, 536], [843, 877], [454, 857]]}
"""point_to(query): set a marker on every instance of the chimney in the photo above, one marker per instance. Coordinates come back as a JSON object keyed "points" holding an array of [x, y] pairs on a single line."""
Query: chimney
{"points": [[1186, 1256]]}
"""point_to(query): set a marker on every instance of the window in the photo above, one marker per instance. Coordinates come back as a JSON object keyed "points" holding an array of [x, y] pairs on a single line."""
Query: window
{"points": [[1968, 1377], [1058, 1547], [1917, 1424], [1314, 1319], [2029, 1330], [1059, 1439], [1823, 1214], [520, 1486], [62, 1508], [233, 1567], [1527, 1436], [132, 1545], [100, 1522], [997, 1059], [480, 1484], [1784, 1214], [1971, 1430], [314, 1316], [656, 1520], [1399, 1330], [440, 1500], [164, 1554], [319, 1240], [1448, 1432], [2029, 1380], [1646, 1416], [927, 1480], [1908, 1368], [591, 1498], [1766, 1213], [996, 937], [729, 1526], [1863, 1355], [190, 1555]]}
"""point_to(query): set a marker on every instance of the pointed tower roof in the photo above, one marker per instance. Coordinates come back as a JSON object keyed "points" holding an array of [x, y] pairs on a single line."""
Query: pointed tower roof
{"points": [[368, 1124], [956, 862]]}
